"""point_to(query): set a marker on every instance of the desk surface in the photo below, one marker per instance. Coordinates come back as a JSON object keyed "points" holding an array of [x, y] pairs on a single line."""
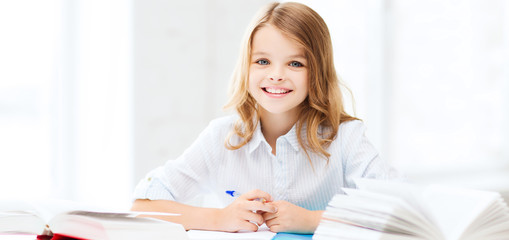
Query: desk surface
{"points": [[279, 236], [262, 233], [291, 236]]}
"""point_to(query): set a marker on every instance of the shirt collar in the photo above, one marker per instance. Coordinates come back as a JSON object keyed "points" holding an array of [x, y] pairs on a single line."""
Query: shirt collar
{"points": [[256, 139], [291, 138]]}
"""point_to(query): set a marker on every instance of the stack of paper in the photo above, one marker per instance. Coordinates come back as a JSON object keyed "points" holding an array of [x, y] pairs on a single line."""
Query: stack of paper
{"points": [[395, 210]]}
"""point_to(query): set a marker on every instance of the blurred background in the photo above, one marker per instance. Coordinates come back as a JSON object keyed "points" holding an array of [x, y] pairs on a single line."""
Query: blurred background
{"points": [[94, 94]]}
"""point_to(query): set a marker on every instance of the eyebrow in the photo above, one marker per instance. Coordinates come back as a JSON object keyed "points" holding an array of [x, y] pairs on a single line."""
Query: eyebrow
{"points": [[291, 56]]}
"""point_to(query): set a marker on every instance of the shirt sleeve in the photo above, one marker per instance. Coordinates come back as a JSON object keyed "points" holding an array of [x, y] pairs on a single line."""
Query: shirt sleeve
{"points": [[360, 158], [184, 178]]}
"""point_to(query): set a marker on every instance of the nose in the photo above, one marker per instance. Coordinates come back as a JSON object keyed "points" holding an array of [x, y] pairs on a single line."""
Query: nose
{"points": [[276, 74]]}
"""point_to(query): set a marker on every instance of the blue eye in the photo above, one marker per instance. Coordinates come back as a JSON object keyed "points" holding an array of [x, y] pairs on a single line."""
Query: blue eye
{"points": [[296, 64], [262, 62]]}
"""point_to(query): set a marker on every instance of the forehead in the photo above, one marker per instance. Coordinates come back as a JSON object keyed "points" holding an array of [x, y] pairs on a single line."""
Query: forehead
{"points": [[272, 41]]}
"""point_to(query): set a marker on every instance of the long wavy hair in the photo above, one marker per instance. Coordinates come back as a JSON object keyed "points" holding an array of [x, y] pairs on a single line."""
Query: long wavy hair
{"points": [[324, 103]]}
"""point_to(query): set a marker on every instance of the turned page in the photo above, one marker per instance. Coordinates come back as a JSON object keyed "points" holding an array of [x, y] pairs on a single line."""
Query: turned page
{"points": [[454, 209], [411, 194]]}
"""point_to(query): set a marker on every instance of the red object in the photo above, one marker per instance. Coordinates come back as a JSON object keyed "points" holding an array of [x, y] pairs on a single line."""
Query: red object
{"points": [[58, 237]]}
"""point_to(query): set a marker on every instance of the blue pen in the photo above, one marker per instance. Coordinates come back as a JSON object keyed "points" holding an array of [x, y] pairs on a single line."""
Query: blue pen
{"points": [[234, 193]]}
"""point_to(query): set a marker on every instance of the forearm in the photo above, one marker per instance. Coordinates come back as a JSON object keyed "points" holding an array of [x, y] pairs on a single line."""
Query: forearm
{"points": [[241, 215], [190, 217], [314, 220]]}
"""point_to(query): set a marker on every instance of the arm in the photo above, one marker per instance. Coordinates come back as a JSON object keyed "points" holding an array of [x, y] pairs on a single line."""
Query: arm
{"points": [[240, 215], [360, 157], [191, 218]]}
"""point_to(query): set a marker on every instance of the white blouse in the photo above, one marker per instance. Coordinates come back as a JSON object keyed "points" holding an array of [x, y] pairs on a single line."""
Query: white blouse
{"points": [[208, 166]]}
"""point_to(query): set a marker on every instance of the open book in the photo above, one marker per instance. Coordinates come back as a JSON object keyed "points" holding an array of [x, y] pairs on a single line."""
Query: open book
{"points": [[401, 211], [65, 219]]}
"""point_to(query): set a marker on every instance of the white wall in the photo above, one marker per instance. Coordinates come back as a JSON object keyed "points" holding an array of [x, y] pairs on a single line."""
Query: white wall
{"points": [[95, 93], [449, 106], [428, 79], [65, 101], [184, 54]]}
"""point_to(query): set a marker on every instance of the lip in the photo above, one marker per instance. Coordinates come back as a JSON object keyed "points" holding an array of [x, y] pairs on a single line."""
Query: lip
{"points": [[276, 95]]}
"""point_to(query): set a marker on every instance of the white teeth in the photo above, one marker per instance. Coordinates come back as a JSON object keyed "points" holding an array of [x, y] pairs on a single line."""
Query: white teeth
{"points": [[276, 91]]}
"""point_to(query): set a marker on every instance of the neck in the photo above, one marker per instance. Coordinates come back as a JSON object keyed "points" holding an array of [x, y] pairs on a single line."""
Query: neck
{"points": [[276, 125]]}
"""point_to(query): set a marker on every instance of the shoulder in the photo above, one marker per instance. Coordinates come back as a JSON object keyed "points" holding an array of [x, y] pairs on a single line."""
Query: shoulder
{"points": [[221, 125], [212, 137], [351, 127], [348, 133], [223, 122], [345, 130]]}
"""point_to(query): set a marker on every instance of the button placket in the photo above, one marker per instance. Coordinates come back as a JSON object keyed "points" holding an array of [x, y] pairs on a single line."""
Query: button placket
{"points": [[281, 172]]}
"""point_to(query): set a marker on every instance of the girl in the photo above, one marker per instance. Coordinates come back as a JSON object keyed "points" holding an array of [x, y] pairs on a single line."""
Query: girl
{"points": [[292, 145]]}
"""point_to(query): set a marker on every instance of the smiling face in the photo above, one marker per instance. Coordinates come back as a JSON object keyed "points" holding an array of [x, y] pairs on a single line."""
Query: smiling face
{"points": [[278, 73]]}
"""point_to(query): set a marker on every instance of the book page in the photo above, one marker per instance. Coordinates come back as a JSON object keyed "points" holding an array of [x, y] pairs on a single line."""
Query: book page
{"points": [[113, 226], [110, 214], [411, 194], [399, 215], [454, 209], [17, 237], [48, 208], [20, 217], [449, 212], [14, 205], [330, 229]]}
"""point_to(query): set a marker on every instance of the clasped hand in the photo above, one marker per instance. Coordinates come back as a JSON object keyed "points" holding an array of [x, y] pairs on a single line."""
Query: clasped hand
{"points": [[246, 214]]}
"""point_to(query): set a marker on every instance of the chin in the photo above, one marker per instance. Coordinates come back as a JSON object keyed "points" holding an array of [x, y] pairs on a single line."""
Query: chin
{"points": [[278, 110]]}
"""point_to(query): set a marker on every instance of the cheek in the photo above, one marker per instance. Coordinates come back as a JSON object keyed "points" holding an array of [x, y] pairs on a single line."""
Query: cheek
{"points": [[254, 79], [251, 84], [302, 82], [305, 85]]}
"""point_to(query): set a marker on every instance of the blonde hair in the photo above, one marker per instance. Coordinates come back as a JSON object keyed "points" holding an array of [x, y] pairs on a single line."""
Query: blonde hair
{"points": [[324, 104]]}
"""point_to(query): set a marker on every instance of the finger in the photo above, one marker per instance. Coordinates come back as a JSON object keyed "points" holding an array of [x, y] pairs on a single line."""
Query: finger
{"points": [[257, 194], [259, 206], [253, 217], [248, 226], [272, 222], [269, 216], [275, 228]]}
